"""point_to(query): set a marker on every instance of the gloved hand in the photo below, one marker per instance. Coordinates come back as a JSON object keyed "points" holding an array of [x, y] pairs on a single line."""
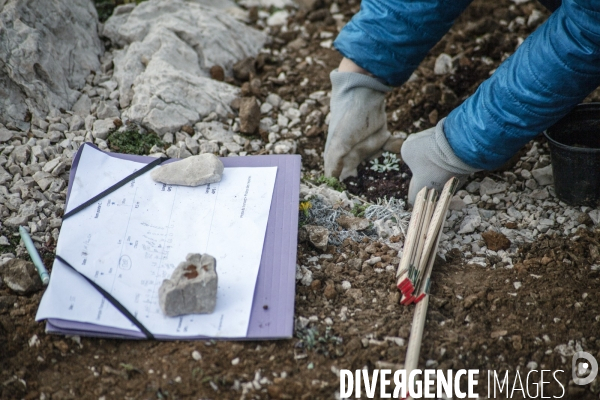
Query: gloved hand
{"points": [[358, 124], [432, 161]]}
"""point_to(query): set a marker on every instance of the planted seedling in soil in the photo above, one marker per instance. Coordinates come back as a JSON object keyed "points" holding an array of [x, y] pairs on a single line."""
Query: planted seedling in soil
{"points": [[384, 177]]}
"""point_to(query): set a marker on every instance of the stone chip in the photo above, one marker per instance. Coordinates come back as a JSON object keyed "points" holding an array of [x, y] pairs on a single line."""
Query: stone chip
{"points": [[318, 236], [353, 223], [21, 276]]}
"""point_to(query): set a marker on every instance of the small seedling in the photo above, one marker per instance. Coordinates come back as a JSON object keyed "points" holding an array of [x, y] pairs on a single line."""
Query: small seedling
{"points": [[332, 182], [359, 210], [311, 339], [390, 163]]}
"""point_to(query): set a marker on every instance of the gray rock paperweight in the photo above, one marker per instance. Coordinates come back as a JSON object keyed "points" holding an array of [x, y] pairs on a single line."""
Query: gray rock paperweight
{"points": [[192, 288]]}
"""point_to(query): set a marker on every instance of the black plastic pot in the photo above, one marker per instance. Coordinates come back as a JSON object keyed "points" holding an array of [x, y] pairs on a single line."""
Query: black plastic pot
{"points": [[575, 151]]}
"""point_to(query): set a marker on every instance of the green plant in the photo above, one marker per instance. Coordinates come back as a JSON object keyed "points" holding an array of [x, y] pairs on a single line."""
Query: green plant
{"points": [[390, 163], [332, 182], [359, 210], [311, 339], [105, 8], [133, 142]]}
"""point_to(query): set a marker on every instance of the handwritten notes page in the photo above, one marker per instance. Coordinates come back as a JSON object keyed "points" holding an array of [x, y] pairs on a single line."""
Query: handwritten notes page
{"points": [[135, 237]]}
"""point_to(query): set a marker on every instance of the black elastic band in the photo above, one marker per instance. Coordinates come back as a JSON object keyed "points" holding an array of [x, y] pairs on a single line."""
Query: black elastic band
{"points": [[116, 186], [112, 301]]}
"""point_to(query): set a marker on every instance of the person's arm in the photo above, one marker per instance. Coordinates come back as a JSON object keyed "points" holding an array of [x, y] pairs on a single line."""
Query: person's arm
{"points": [[551, 72], [390, 38], [382, 44]]}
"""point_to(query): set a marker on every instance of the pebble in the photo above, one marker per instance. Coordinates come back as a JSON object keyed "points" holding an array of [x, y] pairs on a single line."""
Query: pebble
{"points": [[250, 114], [217, 73], [102, 128], [20, 276], [373, 260], [265, 108], [543, 176], [273, 99], [489, 187], [443, 64], [5, 135], [318, 236], [353, 223], [287, 146], [469, 224], [196, 355], [457, 204], [330, 293], [472, 187], [278, 18], [282, 121]]}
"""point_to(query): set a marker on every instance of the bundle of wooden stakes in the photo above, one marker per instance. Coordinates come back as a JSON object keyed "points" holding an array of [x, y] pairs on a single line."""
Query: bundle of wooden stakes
{"points": [[421, 243]]}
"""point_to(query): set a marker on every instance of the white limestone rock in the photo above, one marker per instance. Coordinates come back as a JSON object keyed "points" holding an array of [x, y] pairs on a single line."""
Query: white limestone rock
{"points": [[353, 223], [287, 146], [469, 224], [214, 131], [543, 176], [192, 288], [169, 47], [5, 135], [48, 48], [278, 18], [489, 186], [102, 128], [107, 109], [82, 106], [456, 203], [192, 171], [443, 65]]}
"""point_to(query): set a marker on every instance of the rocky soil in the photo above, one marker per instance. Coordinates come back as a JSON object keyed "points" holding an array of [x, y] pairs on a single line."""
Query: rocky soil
{"points": [[516, 285]]}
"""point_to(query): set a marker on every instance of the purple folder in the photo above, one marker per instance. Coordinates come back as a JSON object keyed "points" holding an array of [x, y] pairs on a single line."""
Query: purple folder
{"points": [[275, 285]]}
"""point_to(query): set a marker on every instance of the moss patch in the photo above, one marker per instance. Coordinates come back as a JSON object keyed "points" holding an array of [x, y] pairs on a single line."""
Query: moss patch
{"points": [[133, 142]]}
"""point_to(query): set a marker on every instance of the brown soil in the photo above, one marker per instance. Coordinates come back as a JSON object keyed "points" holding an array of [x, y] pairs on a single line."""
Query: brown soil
{"points": [[495, 240], [475, 320]]}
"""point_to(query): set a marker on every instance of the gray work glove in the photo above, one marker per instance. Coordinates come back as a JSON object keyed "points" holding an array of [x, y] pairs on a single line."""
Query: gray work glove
{"points": [[432, 161], [358, 125]]}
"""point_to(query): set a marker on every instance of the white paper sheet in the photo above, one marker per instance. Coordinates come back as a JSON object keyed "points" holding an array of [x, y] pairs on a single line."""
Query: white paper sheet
{"points": [[133, 239]]}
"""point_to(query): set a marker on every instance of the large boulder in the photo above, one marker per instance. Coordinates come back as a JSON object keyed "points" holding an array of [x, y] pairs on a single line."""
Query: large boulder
{"points": [[47, 49], [168, 48]]}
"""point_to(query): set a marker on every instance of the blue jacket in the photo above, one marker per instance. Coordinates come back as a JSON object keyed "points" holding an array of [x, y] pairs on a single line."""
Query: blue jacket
{"points": [[552, 71]]}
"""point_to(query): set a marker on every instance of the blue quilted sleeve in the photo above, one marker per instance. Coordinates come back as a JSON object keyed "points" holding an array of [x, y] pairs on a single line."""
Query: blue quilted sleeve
{"points": [[390, 38], [551, 72]]}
